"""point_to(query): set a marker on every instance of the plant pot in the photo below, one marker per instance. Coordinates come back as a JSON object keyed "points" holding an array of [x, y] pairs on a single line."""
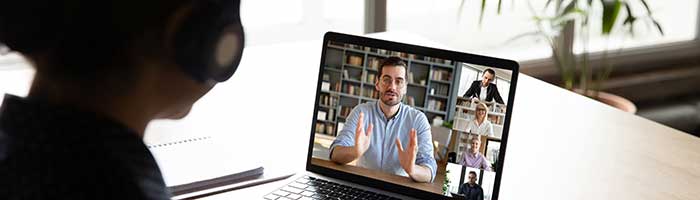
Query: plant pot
{"points": [[613, 100]]}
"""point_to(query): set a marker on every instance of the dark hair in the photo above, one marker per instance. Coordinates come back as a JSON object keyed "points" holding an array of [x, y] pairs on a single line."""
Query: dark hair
{"points": [[472, 172], [82, 41], [392, 61], [489, 70]]}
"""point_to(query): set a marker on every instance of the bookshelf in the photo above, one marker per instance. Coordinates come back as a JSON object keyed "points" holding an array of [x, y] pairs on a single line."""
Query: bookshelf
{"points": [[350, 72]]}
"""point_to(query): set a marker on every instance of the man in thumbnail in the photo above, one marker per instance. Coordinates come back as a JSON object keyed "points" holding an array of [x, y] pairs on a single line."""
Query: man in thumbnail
{"points": [[372, 127], [484, 89], [473, 158], [470, 189]]}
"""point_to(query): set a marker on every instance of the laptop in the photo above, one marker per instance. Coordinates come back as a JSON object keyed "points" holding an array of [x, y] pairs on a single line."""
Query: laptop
{"points": [[439, 123]]}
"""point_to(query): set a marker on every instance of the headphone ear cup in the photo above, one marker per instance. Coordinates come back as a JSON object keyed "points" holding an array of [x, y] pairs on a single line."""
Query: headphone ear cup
{"points": [[209, 43], [227, 52]]}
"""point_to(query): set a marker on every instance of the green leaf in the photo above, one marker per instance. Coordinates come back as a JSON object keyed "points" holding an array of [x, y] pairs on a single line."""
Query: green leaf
{"points": [[658, 26], [570, 15], [629, 20], [499, 7], [483, 7], [547, 4], [610, 11], [646, 6]]}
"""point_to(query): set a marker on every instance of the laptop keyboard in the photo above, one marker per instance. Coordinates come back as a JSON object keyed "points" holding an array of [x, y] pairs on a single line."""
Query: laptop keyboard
{"points": [[308, 187]]}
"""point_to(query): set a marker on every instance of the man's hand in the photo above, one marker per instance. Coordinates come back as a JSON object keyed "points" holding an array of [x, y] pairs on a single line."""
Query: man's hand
{"points": [[362, 138], [347, 154], [407, 157]]}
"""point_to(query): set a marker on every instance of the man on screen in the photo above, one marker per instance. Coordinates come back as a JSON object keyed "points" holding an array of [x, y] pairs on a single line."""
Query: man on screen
{"points": [[375, 132], [470, 189], [484, 89]]}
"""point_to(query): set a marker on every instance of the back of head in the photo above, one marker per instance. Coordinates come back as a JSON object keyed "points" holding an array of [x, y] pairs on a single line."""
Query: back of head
{"points": [[83, 41]]}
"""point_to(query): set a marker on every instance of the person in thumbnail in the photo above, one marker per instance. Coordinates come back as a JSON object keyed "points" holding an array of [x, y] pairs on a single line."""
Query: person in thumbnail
{"points": [[473, 158], [372, 127], [470, 189], [484, 89], [480, 125]]}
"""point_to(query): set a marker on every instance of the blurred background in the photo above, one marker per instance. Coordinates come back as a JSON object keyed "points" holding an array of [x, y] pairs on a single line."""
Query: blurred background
{"points": [[647, 51]]}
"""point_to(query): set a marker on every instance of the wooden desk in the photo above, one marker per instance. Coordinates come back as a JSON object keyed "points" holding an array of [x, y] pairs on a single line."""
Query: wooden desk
{"points": [[434, 187]]}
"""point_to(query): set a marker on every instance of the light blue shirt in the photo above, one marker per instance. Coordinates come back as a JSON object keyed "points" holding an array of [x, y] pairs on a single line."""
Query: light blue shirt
{"points": [[382, 153]]}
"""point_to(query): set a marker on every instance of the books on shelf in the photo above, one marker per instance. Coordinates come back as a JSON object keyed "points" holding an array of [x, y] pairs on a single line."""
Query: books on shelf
{"points": [[439, 89], [410, 77], [328, 100], [411, 100], [369, 77], [341, 125], [336, 86], [371, 93], [331, 115], [345, 111], [373, 63], [347, 76], [352, 89], [440, 75], [321, 115], [434, 104], [325, 128], [354, 60], [354, 46], [320, 127], [325, 86]]}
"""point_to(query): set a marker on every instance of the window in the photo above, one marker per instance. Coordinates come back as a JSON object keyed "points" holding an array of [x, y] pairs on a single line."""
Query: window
{"points": [[678, 19], [274, 21], [440, 22], [469, 75]]}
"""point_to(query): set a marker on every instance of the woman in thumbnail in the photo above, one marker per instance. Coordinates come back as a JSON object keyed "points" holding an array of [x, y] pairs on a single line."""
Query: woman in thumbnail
{"points": [[473, 158], [479, 125]]}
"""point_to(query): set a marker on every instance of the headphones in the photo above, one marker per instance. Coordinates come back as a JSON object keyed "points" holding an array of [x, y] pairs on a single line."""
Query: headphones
{"points": [[208, 45]]}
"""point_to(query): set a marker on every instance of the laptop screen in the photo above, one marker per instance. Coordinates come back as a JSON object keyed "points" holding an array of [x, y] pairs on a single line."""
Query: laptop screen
{"points": [[426, 121]]}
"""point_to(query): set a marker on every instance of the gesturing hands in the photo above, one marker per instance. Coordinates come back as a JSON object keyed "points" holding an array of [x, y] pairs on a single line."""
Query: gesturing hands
{"points": [[407, 157], [362, 138]]}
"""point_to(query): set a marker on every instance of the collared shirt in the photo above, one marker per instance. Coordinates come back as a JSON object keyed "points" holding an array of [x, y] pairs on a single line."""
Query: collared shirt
{"points": [[471, 192], [475, 160], [382, 153], [486, 128], [482, 94], [60, 152]]}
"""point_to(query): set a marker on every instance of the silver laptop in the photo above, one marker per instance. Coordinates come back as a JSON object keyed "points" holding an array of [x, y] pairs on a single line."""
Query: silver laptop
{"points": [[400, 121]]}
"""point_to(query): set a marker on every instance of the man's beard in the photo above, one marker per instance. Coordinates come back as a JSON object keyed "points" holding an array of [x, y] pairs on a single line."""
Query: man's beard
{"points": [[388, 102]]}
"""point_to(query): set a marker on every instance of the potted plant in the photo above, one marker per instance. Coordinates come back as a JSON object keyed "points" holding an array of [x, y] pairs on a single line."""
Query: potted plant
{"points": [[559, 17]]}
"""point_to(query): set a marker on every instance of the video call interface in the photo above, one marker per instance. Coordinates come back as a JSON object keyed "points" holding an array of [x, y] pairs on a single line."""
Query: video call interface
{"points": [[423, 122]]}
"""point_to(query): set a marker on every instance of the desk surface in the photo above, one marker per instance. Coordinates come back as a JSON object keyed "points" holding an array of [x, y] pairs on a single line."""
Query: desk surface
{"points": [[435, 186], [561, 145]]}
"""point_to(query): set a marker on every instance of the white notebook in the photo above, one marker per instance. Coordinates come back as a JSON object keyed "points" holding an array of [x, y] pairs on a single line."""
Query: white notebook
{"points": [[195, 164]]}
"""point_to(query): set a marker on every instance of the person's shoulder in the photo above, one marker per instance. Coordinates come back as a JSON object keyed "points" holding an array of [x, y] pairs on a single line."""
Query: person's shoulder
{"points": [[72, 173], [410, 110], [366, 107]]}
